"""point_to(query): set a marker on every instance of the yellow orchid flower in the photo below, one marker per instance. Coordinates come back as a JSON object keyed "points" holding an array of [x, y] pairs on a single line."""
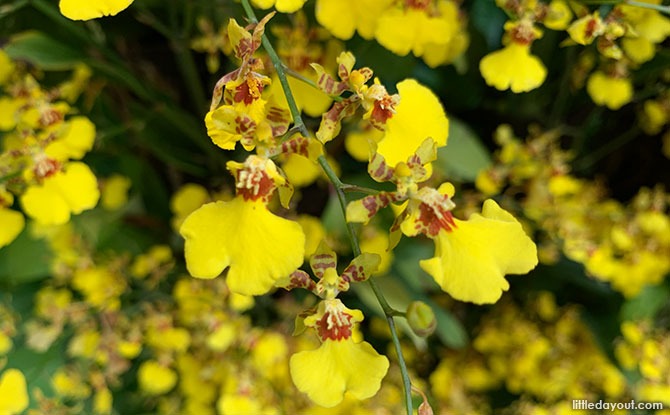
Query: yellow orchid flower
{"points": [[472, 257], [258, 246], [340, 365], [87, 10]]}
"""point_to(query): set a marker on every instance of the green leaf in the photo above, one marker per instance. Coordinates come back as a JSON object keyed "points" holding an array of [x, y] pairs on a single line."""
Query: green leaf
{"points": [[24, 260], [42, 51], [465, 155], [646, 304], [488, 19]]}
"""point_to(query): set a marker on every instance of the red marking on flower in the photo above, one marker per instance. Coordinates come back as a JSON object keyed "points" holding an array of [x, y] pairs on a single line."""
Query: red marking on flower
{"points": [[342, 72], [298, 145], [522, 34], [382, 110], [382, 172], [334, 327], [254, 185], [300, 279], [374, 203], [50, 117], [245, 48], [432, 220], [352, 272], [248, 91], [371, 205], [322, 262], [327, 82], [46, 167], [418, 4], [244, 124], [334, 114]]}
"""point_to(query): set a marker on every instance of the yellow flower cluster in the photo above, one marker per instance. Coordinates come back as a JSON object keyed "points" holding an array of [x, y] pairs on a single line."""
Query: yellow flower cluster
{"points": [[645, 350], [341, 357], [539, 353], [42, 144], [433, 30], [82, 307], [627, 246], [626, 37], [462, 249]]}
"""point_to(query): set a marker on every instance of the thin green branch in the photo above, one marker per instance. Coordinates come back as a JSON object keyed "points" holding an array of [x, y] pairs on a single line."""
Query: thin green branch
{"points": [[339, 189], [406, 383], [658, 7], [8, 9], [592, 158], [352, 188]]}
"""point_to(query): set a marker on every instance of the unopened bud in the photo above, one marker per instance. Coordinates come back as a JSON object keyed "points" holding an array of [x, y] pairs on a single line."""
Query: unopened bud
{"points": [[425, 409], [421, 318]]}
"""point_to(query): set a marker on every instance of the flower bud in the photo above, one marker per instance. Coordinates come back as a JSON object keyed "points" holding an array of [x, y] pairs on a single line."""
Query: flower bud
{"points": [[421, 318], [425, 409]]}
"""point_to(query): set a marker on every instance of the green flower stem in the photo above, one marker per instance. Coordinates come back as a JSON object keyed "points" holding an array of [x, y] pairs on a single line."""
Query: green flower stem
{"points": [[8, 9], [339, 188], [589, 160], [352, 188], [658, 7]]}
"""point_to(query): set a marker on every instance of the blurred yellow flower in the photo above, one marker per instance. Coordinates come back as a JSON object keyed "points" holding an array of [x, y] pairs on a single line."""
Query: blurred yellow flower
{"points": [[102, 402], [12, 225], [283, 6], [75, 140], [87, 10], [300, 170], [115, 192], [6, 67], [13, 392], [432, 31], [314, 233], [344, 17], [156, 379], [586, 29], [101, 287], [68, 383], [613, 92], [64, 193], [558, 15], [513, 67]]}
